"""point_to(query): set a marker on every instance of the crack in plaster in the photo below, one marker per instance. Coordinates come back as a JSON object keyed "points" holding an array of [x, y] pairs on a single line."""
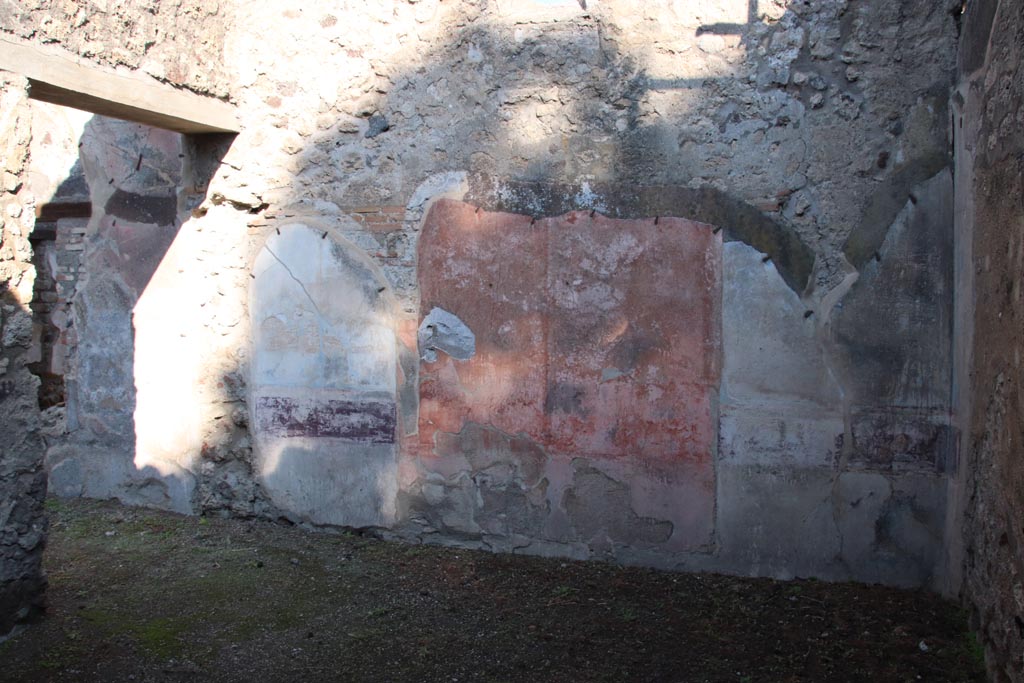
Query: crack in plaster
{"points": [[319, 314]]}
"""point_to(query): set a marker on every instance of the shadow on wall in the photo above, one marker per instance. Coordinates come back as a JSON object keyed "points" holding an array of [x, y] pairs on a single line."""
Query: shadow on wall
{"points": [[323, 378], [22, 478], [562, 116], [121, 418], [548, 117]]}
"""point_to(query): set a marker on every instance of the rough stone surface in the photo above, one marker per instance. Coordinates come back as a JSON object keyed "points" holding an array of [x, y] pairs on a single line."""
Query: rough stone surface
{"points": [[22, 477], [127, 34], [989, 509]]}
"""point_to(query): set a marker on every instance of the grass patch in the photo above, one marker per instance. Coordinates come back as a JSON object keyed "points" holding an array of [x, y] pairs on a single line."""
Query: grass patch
{"points": [[159, 637]]}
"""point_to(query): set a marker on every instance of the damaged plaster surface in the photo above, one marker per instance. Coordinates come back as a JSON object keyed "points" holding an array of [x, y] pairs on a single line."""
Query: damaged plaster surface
{"points": [[323, 380], [596, 339], [572, 340], [133, 174], [442, 331], [279, 324]]}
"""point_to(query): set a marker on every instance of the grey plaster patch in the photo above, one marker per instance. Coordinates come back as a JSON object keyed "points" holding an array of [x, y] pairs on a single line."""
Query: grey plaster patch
{"points": [[778, 521], [891, 527], [330, 482], [443, 331], [408, 389], [601, 511], [77, 470], [771, 350], [781, 438]]}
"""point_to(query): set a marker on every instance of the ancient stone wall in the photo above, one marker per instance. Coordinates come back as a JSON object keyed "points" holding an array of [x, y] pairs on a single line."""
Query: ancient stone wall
{"points": [[798, 152], [22, 477], [814, 136], [988, 516], [178, 41]]}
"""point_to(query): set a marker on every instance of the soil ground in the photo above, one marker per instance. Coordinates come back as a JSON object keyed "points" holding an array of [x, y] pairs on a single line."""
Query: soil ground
{"points": [[140, 595]]}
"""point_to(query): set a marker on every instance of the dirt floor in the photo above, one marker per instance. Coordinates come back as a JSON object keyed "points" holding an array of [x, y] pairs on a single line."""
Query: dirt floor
{"points": [[138, 595]]}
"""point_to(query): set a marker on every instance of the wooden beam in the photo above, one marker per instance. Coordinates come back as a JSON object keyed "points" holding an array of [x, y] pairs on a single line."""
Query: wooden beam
{"points": [[54, 211], [59, 77]]}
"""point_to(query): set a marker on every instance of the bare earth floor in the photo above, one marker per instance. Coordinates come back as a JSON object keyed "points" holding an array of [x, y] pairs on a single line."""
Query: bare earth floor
{"points": [[138, 595]]}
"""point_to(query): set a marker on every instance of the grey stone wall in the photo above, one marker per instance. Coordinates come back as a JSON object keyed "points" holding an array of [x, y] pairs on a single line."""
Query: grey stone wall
{"points": [[22, 477], [989, 511]]}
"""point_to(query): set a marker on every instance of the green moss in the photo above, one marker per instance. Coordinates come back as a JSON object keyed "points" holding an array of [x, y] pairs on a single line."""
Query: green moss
{"points": [[975, 651], [628, 613], [160, 637]]}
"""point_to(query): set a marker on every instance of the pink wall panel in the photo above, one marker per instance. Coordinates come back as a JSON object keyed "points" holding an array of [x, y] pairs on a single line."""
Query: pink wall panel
{"points": [[595, 337]]}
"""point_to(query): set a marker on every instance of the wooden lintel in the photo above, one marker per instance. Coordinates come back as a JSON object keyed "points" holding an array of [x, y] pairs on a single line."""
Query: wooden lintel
{"points": [[54, 211], [60, 77]]}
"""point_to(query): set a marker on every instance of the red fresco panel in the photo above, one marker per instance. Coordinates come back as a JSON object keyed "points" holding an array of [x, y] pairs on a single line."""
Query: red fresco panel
{"points": [[594, 336], [634, 336], [489, 270]]}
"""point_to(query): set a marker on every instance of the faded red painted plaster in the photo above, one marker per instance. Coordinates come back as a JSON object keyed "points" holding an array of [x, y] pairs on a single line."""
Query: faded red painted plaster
{"points": [[595, 337]]}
